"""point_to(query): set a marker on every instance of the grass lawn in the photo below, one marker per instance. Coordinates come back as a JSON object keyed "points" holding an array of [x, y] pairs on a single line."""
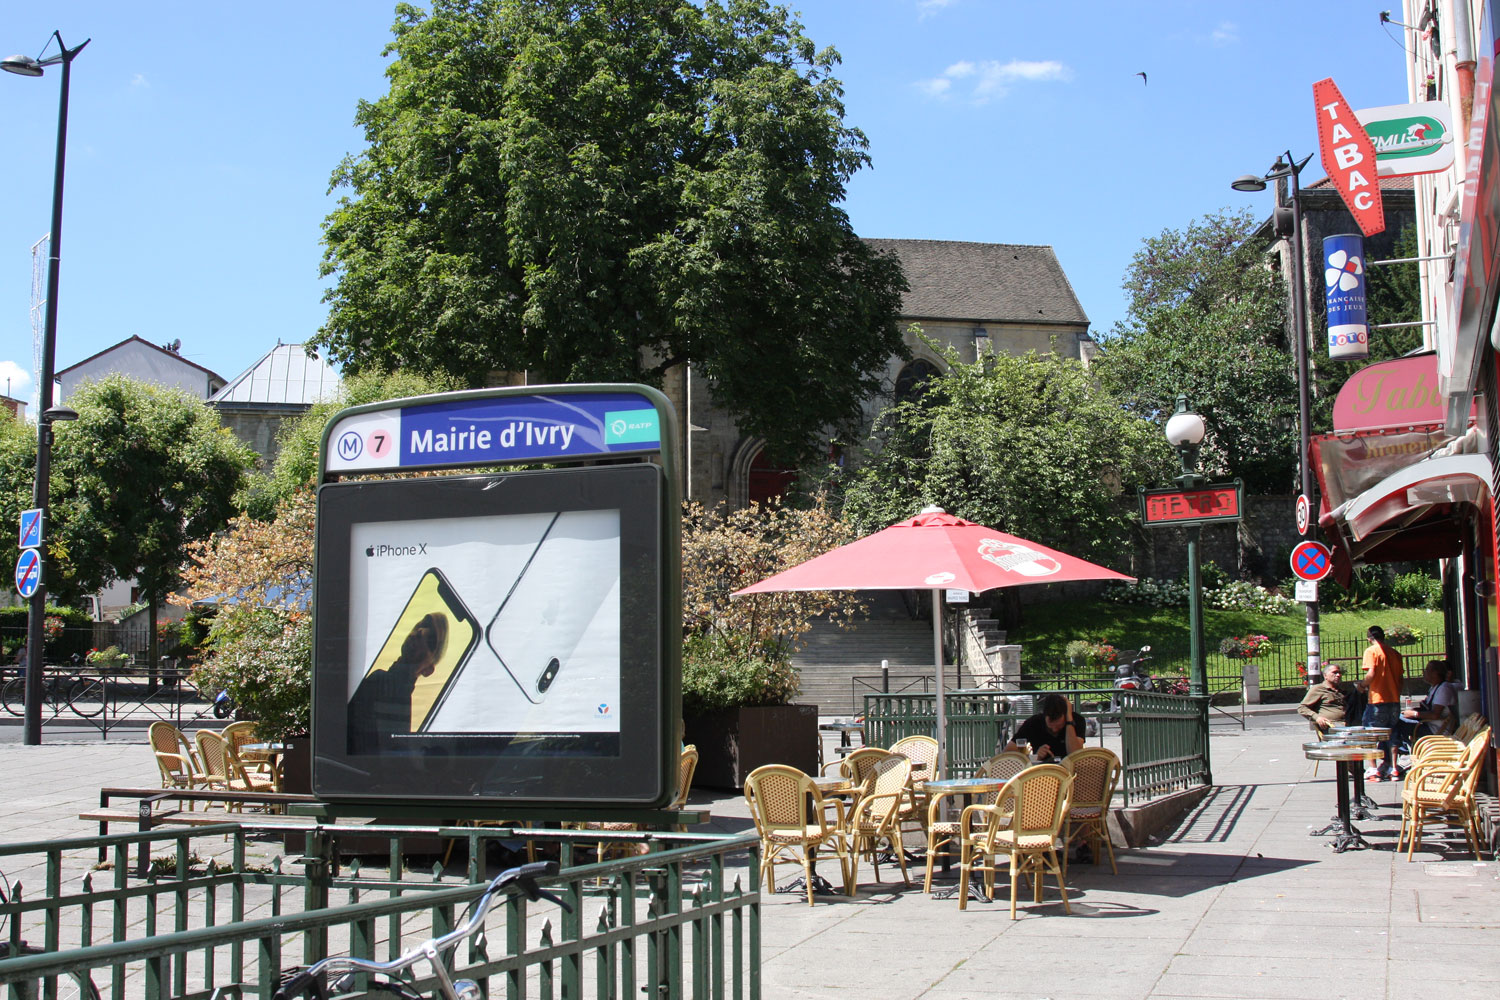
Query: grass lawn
{"points": [[1046, 629]]}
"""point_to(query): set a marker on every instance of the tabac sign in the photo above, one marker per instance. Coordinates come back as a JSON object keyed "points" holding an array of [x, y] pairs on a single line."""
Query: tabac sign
{"points": [[1348, 156], [1410, 138]]}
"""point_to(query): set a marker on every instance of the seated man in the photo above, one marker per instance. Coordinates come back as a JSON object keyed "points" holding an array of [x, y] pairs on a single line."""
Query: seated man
{"points": [[1052, 733], [1438, 712], [1326, 702]]}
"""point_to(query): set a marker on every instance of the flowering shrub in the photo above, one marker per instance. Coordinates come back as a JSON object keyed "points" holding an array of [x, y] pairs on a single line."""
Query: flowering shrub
{"points": [[52, 626], [1242, 595], [1153, 593], [1404, 635], [1171, 685], [108, 658], [263, 658], [1244, 647], [1093, 654], [719, 672]]}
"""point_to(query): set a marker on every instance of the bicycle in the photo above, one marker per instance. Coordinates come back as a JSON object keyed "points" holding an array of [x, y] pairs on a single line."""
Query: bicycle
{"points": [[84, 695], [310, 982], [83, 982]]}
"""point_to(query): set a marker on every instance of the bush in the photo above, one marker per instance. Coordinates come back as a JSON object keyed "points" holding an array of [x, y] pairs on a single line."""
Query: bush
{"points": [[68, 632], [1417, 590], [1093, 654], [1366, 591], [1244, 647], [1404, 635], [263, 658], [1152, 593], [1242, 595], [718, 673]]}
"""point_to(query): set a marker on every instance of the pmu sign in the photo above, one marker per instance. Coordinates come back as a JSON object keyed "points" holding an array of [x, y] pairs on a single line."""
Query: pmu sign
{"points": [[1185, 508], [1348, 156]]}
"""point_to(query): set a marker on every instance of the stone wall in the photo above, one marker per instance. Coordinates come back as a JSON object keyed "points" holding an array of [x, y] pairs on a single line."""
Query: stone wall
{"points": [[1260, 546]]}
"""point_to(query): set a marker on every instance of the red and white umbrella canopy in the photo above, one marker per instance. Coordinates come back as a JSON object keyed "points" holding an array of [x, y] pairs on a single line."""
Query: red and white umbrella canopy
{"points": [[935, 550]]}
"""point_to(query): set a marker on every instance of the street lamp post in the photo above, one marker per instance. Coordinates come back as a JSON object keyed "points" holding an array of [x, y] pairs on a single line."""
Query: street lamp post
{"points": [[1185, 433], [1288, 224], [46, 414]]}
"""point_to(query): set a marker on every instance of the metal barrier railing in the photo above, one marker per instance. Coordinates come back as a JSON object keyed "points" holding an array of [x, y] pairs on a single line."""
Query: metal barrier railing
{"points": [[194, 927], [104, 699], [1163, 737]]}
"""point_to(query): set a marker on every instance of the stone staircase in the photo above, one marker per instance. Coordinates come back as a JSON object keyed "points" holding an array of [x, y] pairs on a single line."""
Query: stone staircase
{"points": [[832, 657]]}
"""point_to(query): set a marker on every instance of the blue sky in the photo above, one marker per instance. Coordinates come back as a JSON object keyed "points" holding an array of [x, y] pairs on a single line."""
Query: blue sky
{"points": [[202, 136]]}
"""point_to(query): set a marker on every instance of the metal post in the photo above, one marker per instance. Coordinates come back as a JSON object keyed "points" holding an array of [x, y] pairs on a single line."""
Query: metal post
{"points": [[1304, 398], [41, 488], [942, 709], [1198, 680]]}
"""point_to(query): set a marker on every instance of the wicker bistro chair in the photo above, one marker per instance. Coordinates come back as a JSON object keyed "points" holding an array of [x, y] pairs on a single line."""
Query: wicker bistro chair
{"points": [[792, 819], [1036, 801], [1096, 772], [175, 758], [687, 763], [943, 832], [1442, 790], [224, 770], [259, 765], [860, 764], [922, 751], [876, 815]]}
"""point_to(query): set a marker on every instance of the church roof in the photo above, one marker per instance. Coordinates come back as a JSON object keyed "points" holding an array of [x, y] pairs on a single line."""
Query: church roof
{"points": [[983, 282]]}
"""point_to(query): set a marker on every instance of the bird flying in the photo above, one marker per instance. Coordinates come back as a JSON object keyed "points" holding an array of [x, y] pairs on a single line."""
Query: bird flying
{"points": [[1142, 75]]}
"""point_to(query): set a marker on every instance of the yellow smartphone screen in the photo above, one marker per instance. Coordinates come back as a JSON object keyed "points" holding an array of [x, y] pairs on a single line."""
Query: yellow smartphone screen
{"points": [[434, 627]]}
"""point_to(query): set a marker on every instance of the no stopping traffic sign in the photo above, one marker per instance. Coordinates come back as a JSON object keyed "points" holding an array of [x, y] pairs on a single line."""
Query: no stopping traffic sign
{"points": [[1311, 561]]}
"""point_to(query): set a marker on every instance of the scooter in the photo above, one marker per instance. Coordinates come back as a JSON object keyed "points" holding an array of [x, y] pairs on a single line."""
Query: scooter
{"points": [[1132, 675], [223, 705]]}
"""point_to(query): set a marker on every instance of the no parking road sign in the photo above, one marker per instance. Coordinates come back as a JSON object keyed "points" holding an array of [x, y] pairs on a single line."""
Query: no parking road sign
{"points": [[1311, 561], [28, 572]]}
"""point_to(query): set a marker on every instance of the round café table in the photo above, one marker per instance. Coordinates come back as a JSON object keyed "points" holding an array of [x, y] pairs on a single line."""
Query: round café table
{"points": [[1344, 755], [1364, 806], [968, 788]]}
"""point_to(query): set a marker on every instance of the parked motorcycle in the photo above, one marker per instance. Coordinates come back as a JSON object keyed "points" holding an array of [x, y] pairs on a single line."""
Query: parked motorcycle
{"points": [[1133, 675]]}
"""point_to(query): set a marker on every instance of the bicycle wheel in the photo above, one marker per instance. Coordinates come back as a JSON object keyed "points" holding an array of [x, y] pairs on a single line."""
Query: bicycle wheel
{"points": [[86, 696], [14, 696]]}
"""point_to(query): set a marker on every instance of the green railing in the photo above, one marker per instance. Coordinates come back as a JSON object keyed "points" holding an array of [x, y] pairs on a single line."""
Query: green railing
{"points": [[1163, 744], [1163, 737], [664, 923]]}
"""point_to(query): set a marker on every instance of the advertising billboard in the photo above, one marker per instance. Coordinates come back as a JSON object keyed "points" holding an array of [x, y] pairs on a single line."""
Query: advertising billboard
{"points": [[492, 636]]}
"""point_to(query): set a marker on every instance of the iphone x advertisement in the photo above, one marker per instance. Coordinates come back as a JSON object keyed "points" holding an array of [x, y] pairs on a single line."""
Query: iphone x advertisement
{"points": [[475, 634]]}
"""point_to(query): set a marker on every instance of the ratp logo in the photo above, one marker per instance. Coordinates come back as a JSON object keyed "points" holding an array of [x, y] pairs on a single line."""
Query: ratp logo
{"points": [[351, 445], [632, 427]]}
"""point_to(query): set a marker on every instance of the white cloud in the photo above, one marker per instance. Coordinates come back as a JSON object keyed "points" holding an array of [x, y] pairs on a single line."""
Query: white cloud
{"points": [[992, 77], [15, 380], [926, 8], [139, 80], [1227, 33]]}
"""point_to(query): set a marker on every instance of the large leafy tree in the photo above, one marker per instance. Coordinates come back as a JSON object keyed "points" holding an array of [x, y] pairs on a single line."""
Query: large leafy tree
{"points": [[605, 189], [1207, 317], [142, 473], [1031, 445]]}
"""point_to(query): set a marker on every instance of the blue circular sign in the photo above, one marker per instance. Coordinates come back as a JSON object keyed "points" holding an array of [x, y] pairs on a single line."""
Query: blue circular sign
{"points": [[28, 572], [1311, 561]]}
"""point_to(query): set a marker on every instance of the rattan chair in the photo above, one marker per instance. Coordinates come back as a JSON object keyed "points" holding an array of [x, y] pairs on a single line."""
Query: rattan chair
{"points": [[259, 764], [1037, 803], [792, 819], [1096, 772], [942, 832], [922, 751], [175, 759], [687, 763], [213, 756], [860, 764], [1442, 791], [875, 816]]}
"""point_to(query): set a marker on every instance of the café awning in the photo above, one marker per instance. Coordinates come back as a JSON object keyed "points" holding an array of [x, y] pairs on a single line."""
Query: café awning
{"points": [[1449, 479]]}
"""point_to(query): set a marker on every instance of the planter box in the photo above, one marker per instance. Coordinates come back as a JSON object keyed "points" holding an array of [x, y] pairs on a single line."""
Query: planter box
{"points": [[735, 742]]}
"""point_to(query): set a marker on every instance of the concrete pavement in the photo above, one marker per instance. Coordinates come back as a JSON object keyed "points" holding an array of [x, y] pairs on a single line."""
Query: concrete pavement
{"points": [[1237, 901]]}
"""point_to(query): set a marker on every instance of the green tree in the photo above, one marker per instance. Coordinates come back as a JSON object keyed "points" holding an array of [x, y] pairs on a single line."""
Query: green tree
{"points": [[296, 467], [606, 189], [142, 473], [1207, 318], [1030, 445]]}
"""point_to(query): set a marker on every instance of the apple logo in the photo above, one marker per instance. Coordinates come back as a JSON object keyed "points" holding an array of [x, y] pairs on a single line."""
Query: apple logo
{"points": [[369, 550]]}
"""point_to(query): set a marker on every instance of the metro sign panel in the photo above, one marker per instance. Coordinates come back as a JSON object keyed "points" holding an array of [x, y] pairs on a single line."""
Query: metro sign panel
{"points": [[1184, 508]]}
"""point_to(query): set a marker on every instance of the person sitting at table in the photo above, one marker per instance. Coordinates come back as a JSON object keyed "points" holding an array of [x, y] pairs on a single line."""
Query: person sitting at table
{"points": [[1327, 701], [1052, 733], [1438, 712]]}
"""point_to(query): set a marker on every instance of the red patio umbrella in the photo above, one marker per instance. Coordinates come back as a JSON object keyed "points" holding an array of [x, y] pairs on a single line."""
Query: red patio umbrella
{"points": [[935, 550]]}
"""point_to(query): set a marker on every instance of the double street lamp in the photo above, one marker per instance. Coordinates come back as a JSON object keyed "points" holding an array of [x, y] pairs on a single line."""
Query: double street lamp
{"points": [[46, 412], [1288, 225]]}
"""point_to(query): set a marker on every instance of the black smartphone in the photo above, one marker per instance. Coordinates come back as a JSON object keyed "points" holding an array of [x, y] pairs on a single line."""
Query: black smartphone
{"points": [[436, 621]]}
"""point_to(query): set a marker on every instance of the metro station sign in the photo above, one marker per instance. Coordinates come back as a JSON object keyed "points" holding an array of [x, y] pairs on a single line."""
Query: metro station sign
{"points": [[1180, 508]]}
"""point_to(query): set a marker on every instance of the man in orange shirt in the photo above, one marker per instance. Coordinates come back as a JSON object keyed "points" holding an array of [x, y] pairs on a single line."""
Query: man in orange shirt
{"points": [[1383, 676]]}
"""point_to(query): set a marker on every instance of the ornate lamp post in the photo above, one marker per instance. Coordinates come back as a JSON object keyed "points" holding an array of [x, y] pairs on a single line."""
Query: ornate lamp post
{"points": [[1288, 223], [1185, 433], [46, 413]]}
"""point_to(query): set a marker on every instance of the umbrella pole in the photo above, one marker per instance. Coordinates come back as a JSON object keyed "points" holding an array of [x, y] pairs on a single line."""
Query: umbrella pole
{"points": [[937, 657]]}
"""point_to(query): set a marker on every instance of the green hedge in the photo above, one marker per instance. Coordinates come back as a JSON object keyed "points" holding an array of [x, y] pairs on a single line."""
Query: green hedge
{"points": [[77, 634]]}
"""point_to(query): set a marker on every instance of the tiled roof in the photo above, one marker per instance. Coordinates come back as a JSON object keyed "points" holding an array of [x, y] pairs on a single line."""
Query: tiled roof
{"points": [[1386, 184], [984, 282], [287, 375]]}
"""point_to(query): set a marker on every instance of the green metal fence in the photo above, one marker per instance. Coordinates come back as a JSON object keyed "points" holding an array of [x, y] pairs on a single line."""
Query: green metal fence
{"points": [[1163, 744], [668, 923], [1163, 737]]}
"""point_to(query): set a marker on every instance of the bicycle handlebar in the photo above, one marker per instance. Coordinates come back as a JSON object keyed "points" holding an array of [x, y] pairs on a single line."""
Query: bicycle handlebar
{"points": [[308, 981]]}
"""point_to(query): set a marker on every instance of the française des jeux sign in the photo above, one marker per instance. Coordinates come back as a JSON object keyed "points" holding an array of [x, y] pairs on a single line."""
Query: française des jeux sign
{"points": [[495, 429], [1184, 508], [1348, 156]]}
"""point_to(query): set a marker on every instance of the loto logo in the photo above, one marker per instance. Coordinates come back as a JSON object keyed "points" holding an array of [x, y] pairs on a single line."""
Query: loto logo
{"points": [[1017, 558], [1345, 269]]}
